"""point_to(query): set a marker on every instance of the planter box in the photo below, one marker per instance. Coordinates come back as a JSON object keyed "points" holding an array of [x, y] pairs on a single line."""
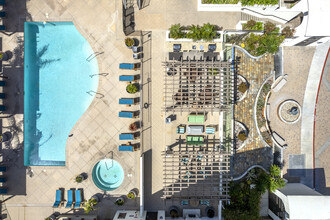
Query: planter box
{"points": [[190, 40], [230, 7]]}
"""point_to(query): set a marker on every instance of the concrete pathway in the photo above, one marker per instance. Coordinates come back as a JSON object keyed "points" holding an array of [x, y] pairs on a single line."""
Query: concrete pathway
{"points": [[307, 123]]}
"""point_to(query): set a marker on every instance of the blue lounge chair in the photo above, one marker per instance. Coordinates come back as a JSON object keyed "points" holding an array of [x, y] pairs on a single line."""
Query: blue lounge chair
{"points": [[126, 78], [184, 202], [126, 148], [59, 198], [70, 201], [2, 14], [128, 66], [123, 101], [2, 2], [2, 108], [126, 137], [123, 114], [78, 199], [2, 179], [2, 95], [2, 83], [3, 169], [2, 27], [3, 191]]}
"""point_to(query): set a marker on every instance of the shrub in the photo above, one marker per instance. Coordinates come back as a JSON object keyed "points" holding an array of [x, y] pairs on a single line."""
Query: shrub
{"points": [[195, 32], [89, 206], [242, 87], [119, 202], [79, 179], [133, 126], [288, 32], [253, 25], [176, 31], [260, 44], [208, 32], [276, 181], [131, 88], [259, 2], [131, 195], [213, 71], [270, 27], [242, 136]]}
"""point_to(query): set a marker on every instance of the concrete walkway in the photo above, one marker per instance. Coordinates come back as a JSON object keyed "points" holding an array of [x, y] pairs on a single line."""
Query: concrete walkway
{"points": [[307, 123]]}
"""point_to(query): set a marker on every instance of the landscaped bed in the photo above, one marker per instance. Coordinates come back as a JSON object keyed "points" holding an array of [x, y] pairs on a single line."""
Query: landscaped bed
{"points": [[243, 2]]}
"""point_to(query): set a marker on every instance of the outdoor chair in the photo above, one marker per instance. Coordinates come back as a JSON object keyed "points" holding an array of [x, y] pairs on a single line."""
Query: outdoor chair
{"points": [[210, 130], [78, 198], [128, 78], [180, 130], [3, 169], [2, 14], [59, 198], [196, 118], [176, 47], [184, 202], [128, 66], [2, 2], [2, 83], [2, 108], [127, 147], [2, 179], [3, 191], [195, 140], [212, 47], [2, 95], [2, 27], [70, 199]]}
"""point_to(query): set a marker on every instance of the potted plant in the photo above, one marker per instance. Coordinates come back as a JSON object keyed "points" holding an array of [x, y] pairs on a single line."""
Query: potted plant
{"points": [[3, 56], [131, 88], [131, 194], [242, 136], [176, 31], [120, 201], [129, 42], [242, 87], [210, 212], [79, 178], [89, 206], [133, 126], [174, 212]]}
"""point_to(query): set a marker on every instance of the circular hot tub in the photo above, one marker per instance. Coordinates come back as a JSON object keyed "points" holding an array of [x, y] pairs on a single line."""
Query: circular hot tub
{"points": [[108, 174]]}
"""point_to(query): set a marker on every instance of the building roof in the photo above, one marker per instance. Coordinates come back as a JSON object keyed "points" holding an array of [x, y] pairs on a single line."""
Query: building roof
{"points": [[318, 15], [309, 207]]}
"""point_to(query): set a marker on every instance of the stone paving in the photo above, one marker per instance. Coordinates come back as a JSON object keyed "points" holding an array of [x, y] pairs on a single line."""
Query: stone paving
{"points": [[255, 72]]}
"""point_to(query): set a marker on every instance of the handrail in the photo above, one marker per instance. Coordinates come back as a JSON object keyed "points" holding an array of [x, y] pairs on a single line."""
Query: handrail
{"points": [[263, 14], [247, 53], [250, 168]]}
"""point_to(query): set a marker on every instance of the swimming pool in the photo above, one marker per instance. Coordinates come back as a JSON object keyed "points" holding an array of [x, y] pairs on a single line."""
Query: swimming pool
{"points": [[108, 174], [60, 81]]}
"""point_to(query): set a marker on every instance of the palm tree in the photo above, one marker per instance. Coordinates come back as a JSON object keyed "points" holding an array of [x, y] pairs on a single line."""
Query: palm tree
{"points": [[194, 32], [208, 32], [176, 31]]}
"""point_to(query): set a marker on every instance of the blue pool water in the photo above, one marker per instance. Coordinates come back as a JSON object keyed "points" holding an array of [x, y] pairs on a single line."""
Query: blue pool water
{"points": [[59, 84], [108, 174]]}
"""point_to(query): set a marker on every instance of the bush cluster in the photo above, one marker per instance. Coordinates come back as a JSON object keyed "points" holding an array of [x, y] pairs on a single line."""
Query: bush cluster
{"points": [[244, 2], [207, 32]]}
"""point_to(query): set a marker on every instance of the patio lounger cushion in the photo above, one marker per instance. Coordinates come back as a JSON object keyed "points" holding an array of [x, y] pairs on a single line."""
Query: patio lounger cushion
{"points": [[2, 179], [126, 137], [2, 27], [125, 101], [210, 130], [3, 169], [196, 118], [2, 14], [2, 108], [180, 130], [126, 114], [2, 95], [2, 2], [128, 66], [126, 78], [58, 199], [126, 148], [3, 190], [2, 83], [70, 199], [195, 129], [78, 199]]}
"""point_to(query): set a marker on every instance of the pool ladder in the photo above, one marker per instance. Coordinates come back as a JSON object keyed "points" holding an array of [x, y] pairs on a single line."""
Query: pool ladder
{"points": [[109, 157]]}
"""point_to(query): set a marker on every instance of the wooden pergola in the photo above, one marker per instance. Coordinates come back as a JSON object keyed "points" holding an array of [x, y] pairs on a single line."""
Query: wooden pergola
{"points": [[198, 85], [196, 172]]}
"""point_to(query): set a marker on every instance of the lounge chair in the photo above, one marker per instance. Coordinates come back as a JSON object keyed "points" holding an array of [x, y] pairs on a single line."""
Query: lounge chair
{"points": [[2, 83], [210, 130], [2, 14], [78, 198], [130, 148], [128, 66], [127, 114], [184, 202], [180, 130], [2, 108], [70, 199], [2, 2], [196, 119], [3, 191], [125, 101], [2, 95], [2, 179], [59, 198], [127, 78], [3, 169], [126, 137], [195, 140], [2, 27]]}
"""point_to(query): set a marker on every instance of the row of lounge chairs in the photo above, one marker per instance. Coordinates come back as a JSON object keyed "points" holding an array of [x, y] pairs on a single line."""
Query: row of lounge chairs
{"points": [[75, 198], [3, 190], [3, 14]]}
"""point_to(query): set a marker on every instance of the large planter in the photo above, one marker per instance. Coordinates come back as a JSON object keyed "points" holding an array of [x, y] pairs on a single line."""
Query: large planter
{"points": [[134, 126], [210, 212], [132, 194], [131, 88], [129, 42], [3, 56], [80, 178], [174, 212], [120, 201]]}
